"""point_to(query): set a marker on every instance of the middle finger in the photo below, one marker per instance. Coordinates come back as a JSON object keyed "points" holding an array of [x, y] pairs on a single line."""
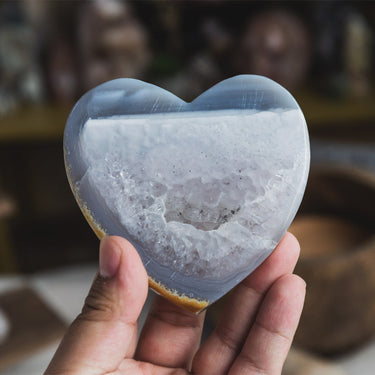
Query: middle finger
{"points": [[221, 348]]}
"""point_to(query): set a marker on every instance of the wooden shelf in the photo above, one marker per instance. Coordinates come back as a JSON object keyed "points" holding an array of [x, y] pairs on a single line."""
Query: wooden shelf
{"points": [[34, 123], [325, 112], [46, 122]]}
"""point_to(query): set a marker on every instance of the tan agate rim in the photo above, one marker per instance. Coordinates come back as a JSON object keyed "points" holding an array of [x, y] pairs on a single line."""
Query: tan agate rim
{"points": [[191, 304]]}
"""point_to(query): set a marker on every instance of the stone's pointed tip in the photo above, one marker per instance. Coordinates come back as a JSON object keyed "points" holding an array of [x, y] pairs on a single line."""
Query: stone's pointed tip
{"points": [[194, 305]]}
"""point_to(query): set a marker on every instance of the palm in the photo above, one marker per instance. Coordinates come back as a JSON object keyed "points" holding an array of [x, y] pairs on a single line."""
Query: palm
{"points": [[253, 334]]}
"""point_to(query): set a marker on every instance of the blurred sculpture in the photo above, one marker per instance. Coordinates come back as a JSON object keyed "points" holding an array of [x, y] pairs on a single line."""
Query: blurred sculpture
{"points": [[4, 326], [206, 67], [328, 19], [343, 50], [112, 43], [200, 73], [276, 44], [20, 78], [62, 71], [358, 59]]}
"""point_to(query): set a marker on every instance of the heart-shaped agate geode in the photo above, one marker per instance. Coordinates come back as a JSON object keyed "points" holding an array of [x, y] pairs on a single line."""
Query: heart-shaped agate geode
{"points": [[203, 190]]}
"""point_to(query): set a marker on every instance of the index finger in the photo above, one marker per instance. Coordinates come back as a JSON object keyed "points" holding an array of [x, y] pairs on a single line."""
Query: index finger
{"points": [[170, 336]]}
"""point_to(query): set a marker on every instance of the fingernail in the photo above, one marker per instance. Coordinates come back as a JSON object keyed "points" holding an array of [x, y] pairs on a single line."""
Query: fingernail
{"points": [[109, 258]]}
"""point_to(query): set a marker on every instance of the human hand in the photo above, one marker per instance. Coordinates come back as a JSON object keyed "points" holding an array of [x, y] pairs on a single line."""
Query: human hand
{"points": [[253, 335]]}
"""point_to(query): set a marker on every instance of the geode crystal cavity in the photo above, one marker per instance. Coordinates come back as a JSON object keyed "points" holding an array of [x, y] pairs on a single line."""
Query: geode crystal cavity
{"points": [[203, 190]]}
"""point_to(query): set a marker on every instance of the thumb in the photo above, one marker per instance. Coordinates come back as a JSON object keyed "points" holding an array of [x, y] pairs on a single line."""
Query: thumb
{"points": [[106, 331]]}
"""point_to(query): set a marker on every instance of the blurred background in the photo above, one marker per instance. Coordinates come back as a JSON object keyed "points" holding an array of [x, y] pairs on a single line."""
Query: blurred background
{"points": [[51, 52]]}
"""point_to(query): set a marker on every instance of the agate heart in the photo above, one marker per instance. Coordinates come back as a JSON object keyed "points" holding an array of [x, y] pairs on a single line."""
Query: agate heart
{"points": [[203, 190]]}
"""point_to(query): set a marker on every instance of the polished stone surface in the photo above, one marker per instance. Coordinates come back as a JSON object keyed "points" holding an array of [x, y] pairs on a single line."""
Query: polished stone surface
{"points": [[204, 190]]}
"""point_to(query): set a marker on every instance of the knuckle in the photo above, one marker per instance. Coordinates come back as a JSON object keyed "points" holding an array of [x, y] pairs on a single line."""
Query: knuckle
{"points": [[99, 304], [227, 338]]}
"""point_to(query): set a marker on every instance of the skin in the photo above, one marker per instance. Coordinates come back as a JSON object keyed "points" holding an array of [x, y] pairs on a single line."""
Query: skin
{"points": [[253, 335]]}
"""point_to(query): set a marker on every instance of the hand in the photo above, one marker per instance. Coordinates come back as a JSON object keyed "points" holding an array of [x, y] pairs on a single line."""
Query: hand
{"points": [[252, 337]]}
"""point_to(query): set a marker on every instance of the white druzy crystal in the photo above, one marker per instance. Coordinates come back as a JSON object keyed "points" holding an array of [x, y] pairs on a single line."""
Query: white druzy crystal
{"points": [[204, 192]]}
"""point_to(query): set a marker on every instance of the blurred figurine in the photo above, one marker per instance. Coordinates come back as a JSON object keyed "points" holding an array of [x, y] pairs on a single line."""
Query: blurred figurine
{"points": [[277, 45], [206, 67], [112, 43], [343, 44], [20, 78], [328, 20], [62, 71], [200, 74], [218, 38], [358, 59], [4, 326]]}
